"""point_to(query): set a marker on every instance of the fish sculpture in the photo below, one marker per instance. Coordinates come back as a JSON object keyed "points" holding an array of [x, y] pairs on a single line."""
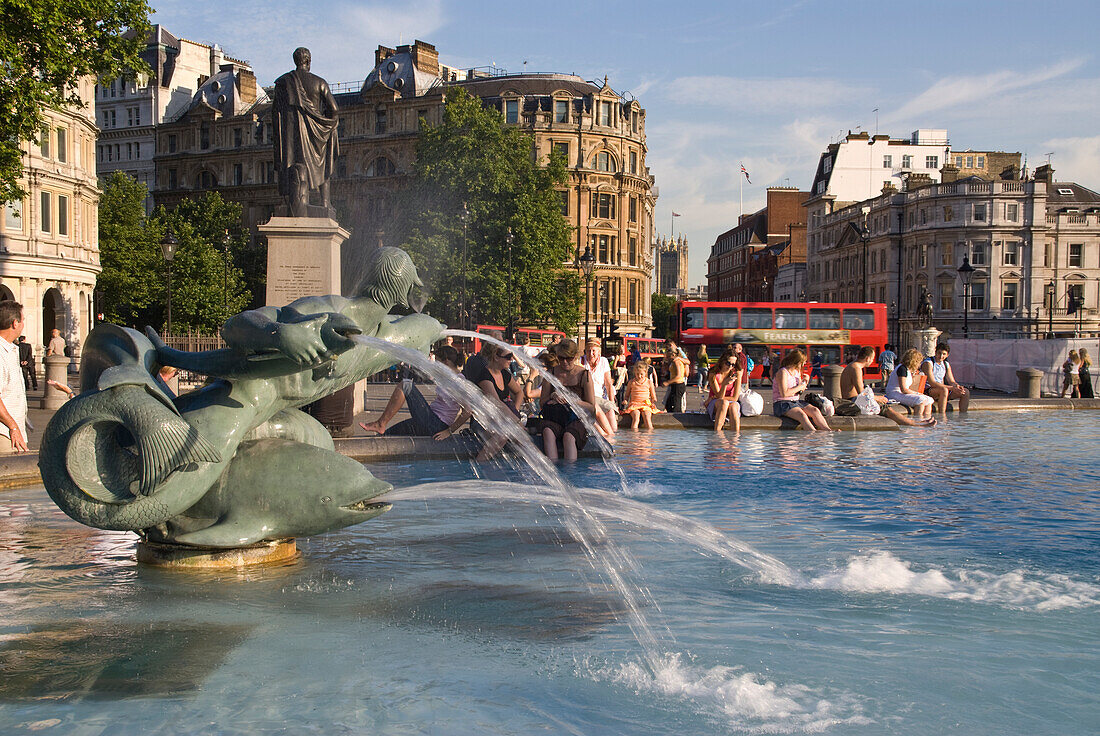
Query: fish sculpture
{"points": [[234, 462]]}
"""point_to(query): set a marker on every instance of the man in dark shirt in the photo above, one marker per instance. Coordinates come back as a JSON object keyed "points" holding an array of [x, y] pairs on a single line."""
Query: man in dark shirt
{"points": [[26, 362]]}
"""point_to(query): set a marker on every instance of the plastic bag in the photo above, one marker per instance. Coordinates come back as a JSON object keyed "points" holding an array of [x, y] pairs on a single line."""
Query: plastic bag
{"points": [[865, 400], [827, 407], [752, 403]]}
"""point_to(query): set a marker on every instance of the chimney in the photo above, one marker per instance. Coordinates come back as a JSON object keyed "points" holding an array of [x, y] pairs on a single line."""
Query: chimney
{"points": [[889, 188], [1010, 173], [425, 58], [1044, 173], [246, 83], [915, 181], [381, 54], [949, 173]]}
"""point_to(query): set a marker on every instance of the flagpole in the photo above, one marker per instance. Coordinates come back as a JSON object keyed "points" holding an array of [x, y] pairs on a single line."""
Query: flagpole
{"points": [[741, 199]]}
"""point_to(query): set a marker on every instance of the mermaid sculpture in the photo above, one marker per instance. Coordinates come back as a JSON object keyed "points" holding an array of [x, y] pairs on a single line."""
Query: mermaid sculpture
{"points": [[235, 462]]}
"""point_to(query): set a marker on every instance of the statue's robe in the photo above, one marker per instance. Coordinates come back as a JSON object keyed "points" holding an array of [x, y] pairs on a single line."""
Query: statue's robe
{"points": [[304, 128]]}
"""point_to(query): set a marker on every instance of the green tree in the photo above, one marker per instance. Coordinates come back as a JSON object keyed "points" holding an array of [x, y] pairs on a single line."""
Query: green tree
{"points": [[45, 47], [472, 159], [663, 308], [133, 285]]}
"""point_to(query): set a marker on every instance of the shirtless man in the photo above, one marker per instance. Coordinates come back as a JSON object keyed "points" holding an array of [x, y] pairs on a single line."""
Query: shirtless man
{"points": [[851, 386]]}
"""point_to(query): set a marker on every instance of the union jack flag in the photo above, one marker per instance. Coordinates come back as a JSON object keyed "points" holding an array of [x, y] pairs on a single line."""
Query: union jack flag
{"points": [[746, 173]]}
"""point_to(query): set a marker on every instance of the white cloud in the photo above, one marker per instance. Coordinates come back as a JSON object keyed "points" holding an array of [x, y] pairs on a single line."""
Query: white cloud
{"points": [[1075, 159], [970, 90], [752, 96]]}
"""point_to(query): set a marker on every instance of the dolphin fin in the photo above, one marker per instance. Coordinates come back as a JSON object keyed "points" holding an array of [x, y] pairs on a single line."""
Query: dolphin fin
{"points": [[171, 445]]}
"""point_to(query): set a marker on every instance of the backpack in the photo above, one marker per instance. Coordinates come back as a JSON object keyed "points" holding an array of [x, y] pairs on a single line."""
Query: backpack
{"points": [[748, 362]]}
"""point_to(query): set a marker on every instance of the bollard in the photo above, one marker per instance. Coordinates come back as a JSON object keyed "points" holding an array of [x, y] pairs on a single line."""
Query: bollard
{"points": [[1029, 386], [831, 375], [57, 369]]}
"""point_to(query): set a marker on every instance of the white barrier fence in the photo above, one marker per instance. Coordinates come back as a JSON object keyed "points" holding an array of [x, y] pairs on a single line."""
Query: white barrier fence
{"points": [[992, 364]]}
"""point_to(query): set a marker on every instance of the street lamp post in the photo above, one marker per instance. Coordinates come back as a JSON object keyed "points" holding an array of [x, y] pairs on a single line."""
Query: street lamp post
{"points": [[225, 274], [897, 327], [966, 271], [168, 246], [864, 234], [465, 216], [763, 289], [588, 266], [509, 239], [1051, 288]]}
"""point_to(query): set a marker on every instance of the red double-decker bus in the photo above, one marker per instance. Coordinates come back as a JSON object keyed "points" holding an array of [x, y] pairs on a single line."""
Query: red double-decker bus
{"points": [[835, 332]]}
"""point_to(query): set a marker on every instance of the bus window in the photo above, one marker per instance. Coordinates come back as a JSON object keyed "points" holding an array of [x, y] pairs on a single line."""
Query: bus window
{"points": [[755, 318], [859, 319], [790, 319], [691, 318], [722, 318], [824, 319], [830, 354], [757, 353]]}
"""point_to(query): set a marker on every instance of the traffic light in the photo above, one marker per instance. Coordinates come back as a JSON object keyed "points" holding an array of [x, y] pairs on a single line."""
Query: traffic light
{"points": [[613, 329], [599, 330]]}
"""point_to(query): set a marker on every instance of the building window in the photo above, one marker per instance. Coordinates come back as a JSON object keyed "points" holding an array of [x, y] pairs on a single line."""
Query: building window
{"points": [[1008, 295], [907, 161], [633, 297], [421, 119], [269, 172], [979, 213], [563, 149], [1077, 291], [632, 254], [633, 209], [172, 143], [948, 256], [1011, 254], [959, 161], [931, 162], [62, 214], [603, 205], [605, 113], [947, 296], [204, 135], [172, 178], [238, 137], [633, 162], [1075, 254], [948, 213], [137, 150], [981, 162], [1012, 212], [62, 144], [969, 162], [924, 216], [13, 216], [511, 111], [977, 296], [45, 215], [600, 244], [923, 259], [207, 180], [887, 162], [44, 143], [381, 166], [238, 174], [977, 254], [379, 119], [605, 161], [564, 202], [561, 111]]}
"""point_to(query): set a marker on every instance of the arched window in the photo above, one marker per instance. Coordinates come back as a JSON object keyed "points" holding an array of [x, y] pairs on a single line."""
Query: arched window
{"points": [[605, 162], [207, 180], [381, 166]]}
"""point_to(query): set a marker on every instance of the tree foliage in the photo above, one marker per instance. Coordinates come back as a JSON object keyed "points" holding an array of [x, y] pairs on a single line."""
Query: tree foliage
{"points": [[473, 159], [663, 308], [133, 285], [45, 47]]}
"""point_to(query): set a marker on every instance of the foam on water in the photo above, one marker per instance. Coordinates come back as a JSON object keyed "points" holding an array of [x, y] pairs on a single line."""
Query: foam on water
{"points": [[882, 572], [744, 700], [644, 489]]}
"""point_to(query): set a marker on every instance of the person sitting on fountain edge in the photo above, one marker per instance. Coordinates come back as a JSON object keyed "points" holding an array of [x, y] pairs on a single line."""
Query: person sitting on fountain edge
{"points": [[489, 371], [941, 385], [851, 386], [439, 420]]}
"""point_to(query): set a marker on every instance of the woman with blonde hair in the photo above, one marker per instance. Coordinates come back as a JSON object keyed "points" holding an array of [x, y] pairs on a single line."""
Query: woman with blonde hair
{"points": [[1071, 375], [1083, 374], [900, 387], [640, 396], [787, 387]]}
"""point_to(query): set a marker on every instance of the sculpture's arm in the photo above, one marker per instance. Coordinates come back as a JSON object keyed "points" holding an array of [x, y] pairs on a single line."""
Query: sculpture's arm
{"points": [[304, 338]]}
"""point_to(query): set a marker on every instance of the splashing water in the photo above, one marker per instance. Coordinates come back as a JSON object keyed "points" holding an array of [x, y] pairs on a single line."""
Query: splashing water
{"points": [[585, 527]]}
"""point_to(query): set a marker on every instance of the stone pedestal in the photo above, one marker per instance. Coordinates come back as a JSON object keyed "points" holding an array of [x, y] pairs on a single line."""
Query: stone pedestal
{"points": [[925, 340], [178, 556], [303, 257], [56, 369], [1030, 383], [831, 379]]}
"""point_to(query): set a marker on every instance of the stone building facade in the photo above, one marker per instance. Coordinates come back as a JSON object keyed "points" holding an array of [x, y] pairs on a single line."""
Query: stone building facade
{"points": [[744, 261], [49, 241], [129, 109], [608, 201], [1025, 240], [671, 262]]}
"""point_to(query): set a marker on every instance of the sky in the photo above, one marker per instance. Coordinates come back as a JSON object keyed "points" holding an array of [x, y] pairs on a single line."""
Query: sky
{"points": [[725, 83]]}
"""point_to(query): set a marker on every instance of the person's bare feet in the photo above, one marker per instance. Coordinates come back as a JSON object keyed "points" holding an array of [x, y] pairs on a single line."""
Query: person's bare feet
{"points": [[375, 427]]}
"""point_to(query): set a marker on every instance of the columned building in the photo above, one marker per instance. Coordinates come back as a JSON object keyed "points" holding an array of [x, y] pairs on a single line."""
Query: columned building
{"points": [[49, 240], [1034, 247], [609, 199]]}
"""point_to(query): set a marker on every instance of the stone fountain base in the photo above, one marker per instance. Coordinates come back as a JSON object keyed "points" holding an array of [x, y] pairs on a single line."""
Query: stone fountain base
{"points": [[183, 557]]}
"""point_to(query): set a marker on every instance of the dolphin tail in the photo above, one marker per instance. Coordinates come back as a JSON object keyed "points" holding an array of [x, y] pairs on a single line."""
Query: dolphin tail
{"points": [[171, 445]]}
